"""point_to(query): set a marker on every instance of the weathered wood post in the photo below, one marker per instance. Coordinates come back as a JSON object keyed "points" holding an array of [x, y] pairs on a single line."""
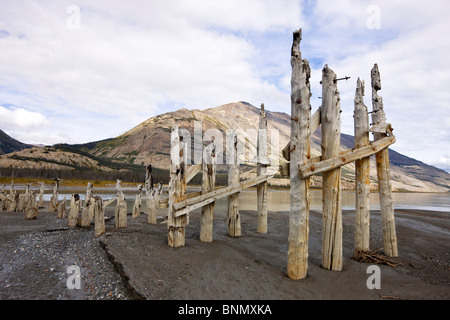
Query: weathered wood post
{"points": [[41, 195], [53, 204], [75, 206], [121, 207], [208, 183], [383, 172], [297, 263], [331, 185], [99, 216], [62, 209], [152, 200], [263, 162], [31, 210], [177, 190], [137, 203], [362, 172], [233, 216], [87, 214]]}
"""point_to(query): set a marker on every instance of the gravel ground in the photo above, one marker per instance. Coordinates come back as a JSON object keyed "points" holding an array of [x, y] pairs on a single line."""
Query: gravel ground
{"points": [[34, 264]]}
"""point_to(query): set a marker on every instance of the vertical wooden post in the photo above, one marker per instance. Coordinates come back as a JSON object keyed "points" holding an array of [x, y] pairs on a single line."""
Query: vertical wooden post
{"points": [[263, 162], [208, 183], [121, 208], [362, 172], [137, 203], [41, 195], [62, 209], [31, 210], [233, 216], [331, 187], [99, 216], [87, 213], [53, 204], [297, 264], [75, 204], [383, 172], [177, 190], [152, 200]]}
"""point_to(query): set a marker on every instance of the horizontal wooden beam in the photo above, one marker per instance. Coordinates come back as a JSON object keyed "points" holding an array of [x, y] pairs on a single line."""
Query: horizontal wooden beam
{"points": [[308, 170], [188, 205]]}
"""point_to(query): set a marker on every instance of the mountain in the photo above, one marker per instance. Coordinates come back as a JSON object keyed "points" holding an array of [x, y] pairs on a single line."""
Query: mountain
{"points": [[8, 144], [149, 143]]}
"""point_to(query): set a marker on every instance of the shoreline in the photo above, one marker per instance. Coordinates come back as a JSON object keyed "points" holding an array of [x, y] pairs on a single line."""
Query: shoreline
{"points": [[35, 254]]}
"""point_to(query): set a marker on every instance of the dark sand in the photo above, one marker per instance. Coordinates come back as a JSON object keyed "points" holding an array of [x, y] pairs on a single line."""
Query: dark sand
{"points": [[251, 267]]}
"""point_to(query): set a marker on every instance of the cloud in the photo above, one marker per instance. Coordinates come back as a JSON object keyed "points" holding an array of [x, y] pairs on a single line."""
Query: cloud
{"points": [[19, 118]]}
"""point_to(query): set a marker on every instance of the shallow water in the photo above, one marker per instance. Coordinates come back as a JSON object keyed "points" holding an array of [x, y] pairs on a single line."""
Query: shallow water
{"points": [[277, 200]]}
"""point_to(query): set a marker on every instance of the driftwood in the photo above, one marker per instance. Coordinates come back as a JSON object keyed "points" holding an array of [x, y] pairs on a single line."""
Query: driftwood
{"points": [[299, 151], [41, 195], [53, 203], [373, 257], [331, 185], [233, 216]]}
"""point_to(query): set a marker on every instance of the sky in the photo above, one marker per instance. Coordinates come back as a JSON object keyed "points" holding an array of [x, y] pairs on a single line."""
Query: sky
{"points": [[80, 71]]}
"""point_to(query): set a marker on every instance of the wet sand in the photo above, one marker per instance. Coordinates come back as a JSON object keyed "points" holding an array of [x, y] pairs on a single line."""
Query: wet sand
{"points": [[136, 263]]}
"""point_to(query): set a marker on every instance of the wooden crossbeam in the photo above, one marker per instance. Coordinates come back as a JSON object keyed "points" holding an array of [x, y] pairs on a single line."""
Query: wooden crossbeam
{"points": [[344, 158], [308, 170], [188, 205], [192, 171]]}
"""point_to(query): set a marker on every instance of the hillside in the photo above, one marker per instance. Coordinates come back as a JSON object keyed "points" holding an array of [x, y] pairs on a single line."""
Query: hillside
{"points": [[149, 143], [9, 144]]}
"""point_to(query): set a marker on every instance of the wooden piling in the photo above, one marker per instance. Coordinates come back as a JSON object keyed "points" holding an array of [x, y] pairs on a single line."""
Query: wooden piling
{"points": [[233, 216], [383, 172], [121, 208], [331, 185], [31, 210], [208, 184], [362, 172], [297, 263], [177, 190], [261, 190], [99, 216], [152, 200], [137, 203], [75, 205]]}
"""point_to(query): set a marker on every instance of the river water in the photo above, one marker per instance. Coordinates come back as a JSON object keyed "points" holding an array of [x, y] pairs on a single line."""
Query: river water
{"points": [[278, 200]]}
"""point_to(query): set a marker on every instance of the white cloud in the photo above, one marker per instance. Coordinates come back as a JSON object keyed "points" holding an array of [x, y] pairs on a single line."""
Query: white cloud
{"points": [[19, 118]]}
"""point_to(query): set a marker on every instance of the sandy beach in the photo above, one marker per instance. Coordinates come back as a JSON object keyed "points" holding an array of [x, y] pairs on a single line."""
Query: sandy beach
{"points": [[136, 263]]}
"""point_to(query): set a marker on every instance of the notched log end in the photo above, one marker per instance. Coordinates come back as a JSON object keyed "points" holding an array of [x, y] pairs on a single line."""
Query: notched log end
{"points": [[295, 51]]}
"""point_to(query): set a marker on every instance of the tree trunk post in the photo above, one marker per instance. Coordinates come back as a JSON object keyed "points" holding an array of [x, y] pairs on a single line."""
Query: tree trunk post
{"points": [[208, 184], [261, 190], [137, 203], [362, 172], [31, 210], [383, 172], [99, 217], [121, 208], [41, 195], [177, 190], [75, 204], [152, 200], [233, 216], [297, 264], [331, 187]]}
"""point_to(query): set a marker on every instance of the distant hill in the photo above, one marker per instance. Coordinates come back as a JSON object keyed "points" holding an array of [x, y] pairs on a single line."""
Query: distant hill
{"points": [[149, 143], [9, 144]]}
